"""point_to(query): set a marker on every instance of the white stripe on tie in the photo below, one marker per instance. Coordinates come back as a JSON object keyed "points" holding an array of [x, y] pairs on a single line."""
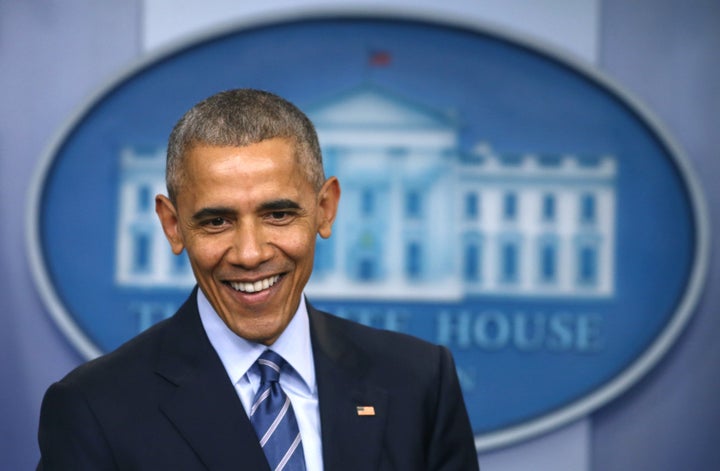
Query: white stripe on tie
{"points": [[269, 363], [275, 423], [289, 453], [259, 401]]}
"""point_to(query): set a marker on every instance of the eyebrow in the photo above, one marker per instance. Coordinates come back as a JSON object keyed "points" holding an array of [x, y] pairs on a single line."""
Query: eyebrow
{"points": [[279, 205], [273, 205], [208, 213]]}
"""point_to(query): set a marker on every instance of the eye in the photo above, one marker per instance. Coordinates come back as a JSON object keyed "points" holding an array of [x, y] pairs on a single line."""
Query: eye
{"points": [[279, 215], [214, 224]]}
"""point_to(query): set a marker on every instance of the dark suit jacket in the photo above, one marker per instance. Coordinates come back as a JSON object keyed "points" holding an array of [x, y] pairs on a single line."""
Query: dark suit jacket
{"points": [[163, 401]]}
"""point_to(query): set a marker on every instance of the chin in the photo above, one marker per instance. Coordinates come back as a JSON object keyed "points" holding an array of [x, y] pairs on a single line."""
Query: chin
{"points": [[259, 335]]}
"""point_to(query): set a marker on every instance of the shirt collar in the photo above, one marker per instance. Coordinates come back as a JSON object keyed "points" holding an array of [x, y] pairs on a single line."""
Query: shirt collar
{"points": [[238, 354]]}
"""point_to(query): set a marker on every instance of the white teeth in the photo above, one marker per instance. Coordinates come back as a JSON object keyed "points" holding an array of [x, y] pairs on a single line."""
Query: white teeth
{"points": [[255, 287]]}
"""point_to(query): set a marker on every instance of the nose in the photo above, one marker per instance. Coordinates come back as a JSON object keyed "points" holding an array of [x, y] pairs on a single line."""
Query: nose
{"points": [[249, 248]]}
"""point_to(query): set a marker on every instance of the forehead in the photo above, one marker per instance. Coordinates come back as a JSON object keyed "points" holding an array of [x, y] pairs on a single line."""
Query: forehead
{"points": [[244, 162], [234, 170]]}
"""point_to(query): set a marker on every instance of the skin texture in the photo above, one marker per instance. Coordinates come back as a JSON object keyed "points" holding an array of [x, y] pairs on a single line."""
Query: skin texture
{"points": [[244, 215]]}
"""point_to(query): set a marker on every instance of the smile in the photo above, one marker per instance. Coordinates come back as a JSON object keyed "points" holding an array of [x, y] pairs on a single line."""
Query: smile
{"points": [[256, 286]]}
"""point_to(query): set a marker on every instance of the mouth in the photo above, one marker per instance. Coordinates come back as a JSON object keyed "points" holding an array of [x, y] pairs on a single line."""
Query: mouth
{"points": [[254, 287]]}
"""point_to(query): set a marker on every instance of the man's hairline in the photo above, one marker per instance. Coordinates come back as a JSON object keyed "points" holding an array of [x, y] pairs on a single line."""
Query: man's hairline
{"points": [[298, 153]]}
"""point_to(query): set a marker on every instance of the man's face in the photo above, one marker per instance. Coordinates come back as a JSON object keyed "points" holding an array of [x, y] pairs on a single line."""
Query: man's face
{"points": [[248, 218]]}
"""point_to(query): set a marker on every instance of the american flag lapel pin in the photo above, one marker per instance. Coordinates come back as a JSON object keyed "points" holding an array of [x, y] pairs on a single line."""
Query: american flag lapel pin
{"points": [[365, 410]]}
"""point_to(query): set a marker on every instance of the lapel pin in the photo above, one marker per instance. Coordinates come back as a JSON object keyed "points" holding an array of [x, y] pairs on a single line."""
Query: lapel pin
{"points": [[365, 410]]}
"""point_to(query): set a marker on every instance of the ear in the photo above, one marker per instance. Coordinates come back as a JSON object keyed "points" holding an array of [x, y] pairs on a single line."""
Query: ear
{"points": [[328, 200], [169, 220]]}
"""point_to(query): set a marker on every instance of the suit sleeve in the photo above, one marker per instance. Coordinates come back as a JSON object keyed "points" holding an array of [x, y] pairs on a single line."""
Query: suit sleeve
{"points": [[452, 445], [69, 435]]}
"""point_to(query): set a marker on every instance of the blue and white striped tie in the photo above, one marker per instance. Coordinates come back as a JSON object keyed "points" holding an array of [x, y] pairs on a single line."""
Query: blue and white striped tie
{"points": [[272, 416]]}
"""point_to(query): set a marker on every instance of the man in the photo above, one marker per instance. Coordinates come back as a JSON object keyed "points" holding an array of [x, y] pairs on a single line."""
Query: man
{"points": [[246, 199]]}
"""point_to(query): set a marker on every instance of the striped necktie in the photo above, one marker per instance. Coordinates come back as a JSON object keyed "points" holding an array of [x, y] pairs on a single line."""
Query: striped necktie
{"points": [[272, 416]]}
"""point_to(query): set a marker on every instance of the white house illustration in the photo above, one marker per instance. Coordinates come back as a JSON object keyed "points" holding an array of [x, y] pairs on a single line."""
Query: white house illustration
{"points": [[142, 256], [420, 218]]}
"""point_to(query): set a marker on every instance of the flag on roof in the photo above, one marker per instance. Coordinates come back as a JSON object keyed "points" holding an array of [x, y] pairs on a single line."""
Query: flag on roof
{"points": [[380, 58]]}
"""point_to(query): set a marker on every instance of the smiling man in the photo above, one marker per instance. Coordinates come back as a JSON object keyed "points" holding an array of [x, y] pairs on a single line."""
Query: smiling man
{"points": [[247, 375]]}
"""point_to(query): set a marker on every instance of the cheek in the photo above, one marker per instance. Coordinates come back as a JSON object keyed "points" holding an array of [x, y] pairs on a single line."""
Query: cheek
{"points": [[204, 254], [299, 246]]}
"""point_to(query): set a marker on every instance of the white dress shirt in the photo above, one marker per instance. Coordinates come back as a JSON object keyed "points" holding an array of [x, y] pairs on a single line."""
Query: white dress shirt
{"points": [[298, 381]]}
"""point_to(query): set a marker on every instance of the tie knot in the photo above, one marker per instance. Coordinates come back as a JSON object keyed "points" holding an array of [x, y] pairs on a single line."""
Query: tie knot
{"points": [[270, 364]]}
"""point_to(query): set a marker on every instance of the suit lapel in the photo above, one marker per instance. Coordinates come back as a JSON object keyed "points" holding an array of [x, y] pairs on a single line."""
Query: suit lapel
{"points": [[204, 406], [350, 441]]}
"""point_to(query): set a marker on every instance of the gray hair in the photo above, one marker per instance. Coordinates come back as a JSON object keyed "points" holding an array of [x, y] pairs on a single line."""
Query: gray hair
{"points": [[239, 118]]}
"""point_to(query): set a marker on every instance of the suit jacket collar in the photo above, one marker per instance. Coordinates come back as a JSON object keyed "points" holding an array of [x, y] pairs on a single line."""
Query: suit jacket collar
{"points": [[204, 406], [349, 441]]}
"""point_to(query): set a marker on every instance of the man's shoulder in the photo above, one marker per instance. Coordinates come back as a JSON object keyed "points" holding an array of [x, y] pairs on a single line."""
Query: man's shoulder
{"points": [[134, 357], [139, 354], [374, 335], [381, 345]]}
